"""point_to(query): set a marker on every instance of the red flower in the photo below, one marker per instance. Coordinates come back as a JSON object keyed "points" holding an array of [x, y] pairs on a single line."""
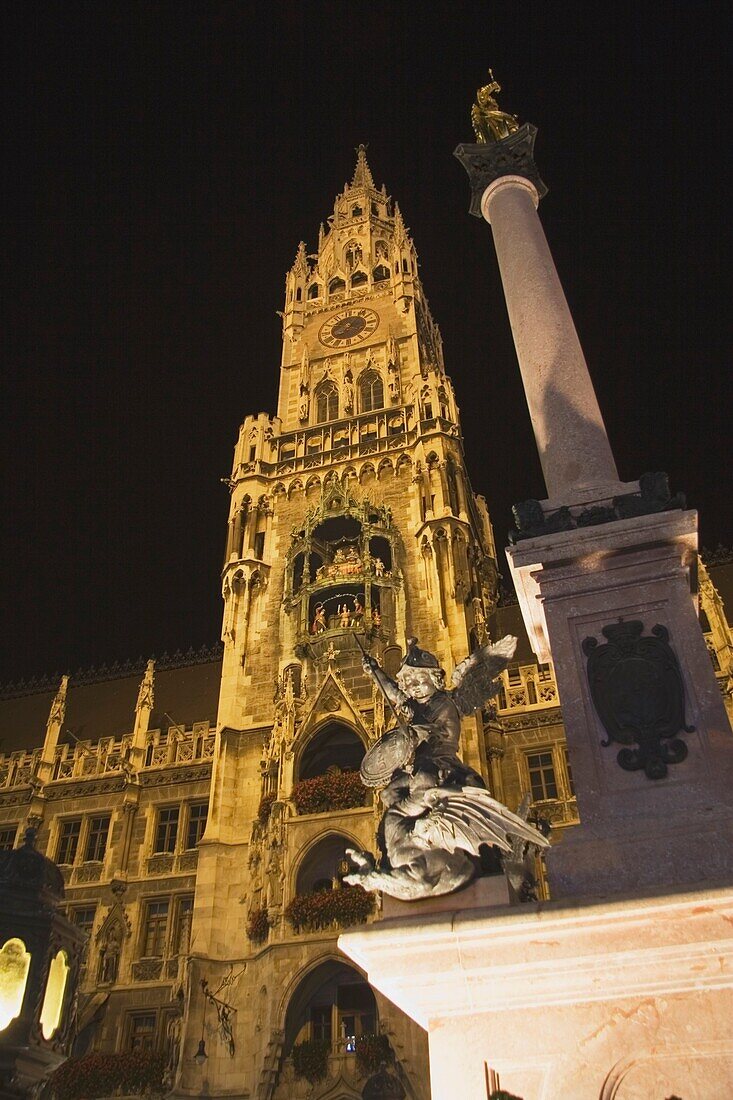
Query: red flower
{"points": [[333, 791], [97, 1075], [258, 925], [345, 906]]}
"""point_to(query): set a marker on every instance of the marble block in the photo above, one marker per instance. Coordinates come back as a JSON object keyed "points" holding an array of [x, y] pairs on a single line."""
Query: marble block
{"points": [[628, 998]]}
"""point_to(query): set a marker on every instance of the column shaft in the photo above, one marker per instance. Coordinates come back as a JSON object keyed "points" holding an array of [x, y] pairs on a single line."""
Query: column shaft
{"points": [[567, 422]]}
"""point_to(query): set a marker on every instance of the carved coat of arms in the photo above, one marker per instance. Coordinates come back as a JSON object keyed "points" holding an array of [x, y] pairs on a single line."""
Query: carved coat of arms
{"points": [[637, 689]]}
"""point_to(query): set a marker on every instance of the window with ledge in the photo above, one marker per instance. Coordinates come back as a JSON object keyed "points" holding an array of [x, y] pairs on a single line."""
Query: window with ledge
{"points": [[82, 916], [8, 833], [314, 291], [380, 273], [97, 834], [542, 776], [68, 841], [371, 391], [336, 286], [359, 278], [321, 1029], [197, 815], [141, 1029], [155, 926], [259, 546], [327, 402], [166, 829]]}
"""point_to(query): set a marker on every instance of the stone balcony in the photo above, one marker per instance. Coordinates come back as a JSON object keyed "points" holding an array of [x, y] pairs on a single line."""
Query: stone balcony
{"points": [[110, 756]]}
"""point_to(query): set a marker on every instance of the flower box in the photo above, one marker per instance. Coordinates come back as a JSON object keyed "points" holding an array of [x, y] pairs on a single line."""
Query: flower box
{"points": [[345, 906], [333, 791]]}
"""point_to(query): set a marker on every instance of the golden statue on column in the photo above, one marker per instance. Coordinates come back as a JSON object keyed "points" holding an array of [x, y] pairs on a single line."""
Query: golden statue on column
{"points": [[490, 123]]}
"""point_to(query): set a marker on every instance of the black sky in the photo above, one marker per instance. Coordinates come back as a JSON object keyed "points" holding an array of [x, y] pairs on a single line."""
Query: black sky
{"points": [[162, 162]]}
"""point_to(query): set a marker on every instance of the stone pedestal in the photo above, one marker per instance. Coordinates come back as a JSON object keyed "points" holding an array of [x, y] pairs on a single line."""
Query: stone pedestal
{"points": [[634, 831], [623, 999]]}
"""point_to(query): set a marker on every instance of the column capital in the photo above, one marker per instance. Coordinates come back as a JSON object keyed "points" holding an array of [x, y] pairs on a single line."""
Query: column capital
{"points": [[512, 156]]}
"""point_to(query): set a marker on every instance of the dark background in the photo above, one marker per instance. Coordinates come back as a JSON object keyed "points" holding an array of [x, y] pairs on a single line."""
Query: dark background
{"points": [[162, 162]]}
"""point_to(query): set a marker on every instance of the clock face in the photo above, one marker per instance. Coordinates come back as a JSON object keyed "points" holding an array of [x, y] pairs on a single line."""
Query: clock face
{"points": [[348, 327]]}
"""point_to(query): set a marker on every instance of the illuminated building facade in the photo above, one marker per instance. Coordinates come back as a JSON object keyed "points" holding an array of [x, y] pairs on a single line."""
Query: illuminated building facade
{"points": [[202, 829]]}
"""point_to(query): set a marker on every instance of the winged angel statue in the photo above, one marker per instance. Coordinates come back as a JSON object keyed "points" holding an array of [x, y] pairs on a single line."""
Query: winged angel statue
{"points": [[437, 810]]}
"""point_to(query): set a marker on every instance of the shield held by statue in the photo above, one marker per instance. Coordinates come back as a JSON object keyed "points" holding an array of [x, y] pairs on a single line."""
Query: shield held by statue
{"points": [[395, 749]]}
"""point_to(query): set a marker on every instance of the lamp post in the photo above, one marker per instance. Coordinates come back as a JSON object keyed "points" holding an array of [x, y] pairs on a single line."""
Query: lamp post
{"points": [[40, 956]]}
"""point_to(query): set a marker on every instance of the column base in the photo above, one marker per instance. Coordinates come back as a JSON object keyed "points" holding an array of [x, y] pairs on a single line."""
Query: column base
{"points": [[617, 1000], [579, 589]]}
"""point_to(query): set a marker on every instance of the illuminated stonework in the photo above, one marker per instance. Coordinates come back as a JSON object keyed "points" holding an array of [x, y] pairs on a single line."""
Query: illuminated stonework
{"points": [[354, 498]]}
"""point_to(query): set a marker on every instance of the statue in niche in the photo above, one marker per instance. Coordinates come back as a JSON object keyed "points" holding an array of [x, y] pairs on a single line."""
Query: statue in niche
{"points": [[437, 810], [345, 617], [348, 392], [304, 404], [489, 122], [319, 621], [305, 369], [393, 385]]}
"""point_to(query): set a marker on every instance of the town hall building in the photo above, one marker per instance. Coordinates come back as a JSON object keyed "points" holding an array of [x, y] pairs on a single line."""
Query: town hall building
{"points": [[200, 807]]}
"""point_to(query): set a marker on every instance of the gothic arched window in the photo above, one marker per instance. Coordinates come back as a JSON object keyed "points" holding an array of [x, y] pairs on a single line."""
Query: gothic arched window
{"points": [[380, 273], [371, 391], [327, 402], [314, 291], [336, 286], [359, 278]]}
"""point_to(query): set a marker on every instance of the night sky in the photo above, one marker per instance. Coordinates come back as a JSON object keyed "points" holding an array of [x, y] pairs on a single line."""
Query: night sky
{"points": [[162, 161]]}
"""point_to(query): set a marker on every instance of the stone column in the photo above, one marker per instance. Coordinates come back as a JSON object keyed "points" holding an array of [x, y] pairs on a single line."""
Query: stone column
{"points": [[567, 422], [571, 437], [604, 574]]}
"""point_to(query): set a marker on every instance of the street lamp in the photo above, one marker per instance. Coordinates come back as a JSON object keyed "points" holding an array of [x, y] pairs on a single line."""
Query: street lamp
{"points": [[40, 956]]}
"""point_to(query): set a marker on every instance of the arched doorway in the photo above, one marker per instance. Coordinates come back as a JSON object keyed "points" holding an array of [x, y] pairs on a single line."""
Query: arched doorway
{"points": [[332, 1004], [336, 745]]}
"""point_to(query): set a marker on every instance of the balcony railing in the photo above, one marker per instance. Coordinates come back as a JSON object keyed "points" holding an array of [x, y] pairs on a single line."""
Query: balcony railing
{"points": [[558, 811], [339, 908], [528, 688], [168, 863], [86, 759]]}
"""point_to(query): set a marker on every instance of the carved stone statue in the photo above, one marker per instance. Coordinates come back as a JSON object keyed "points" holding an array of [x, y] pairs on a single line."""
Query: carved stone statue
{"points": [[437, 810], [348, 392], [490, 123]]}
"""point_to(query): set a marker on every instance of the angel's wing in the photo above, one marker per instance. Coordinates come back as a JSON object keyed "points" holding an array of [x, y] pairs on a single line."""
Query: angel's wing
{"points": [[474, 678], [469, 817]]}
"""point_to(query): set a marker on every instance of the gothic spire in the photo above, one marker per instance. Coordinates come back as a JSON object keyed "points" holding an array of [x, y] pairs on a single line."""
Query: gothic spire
{"points": [[400, 232], [362, 171], [300, 264]]}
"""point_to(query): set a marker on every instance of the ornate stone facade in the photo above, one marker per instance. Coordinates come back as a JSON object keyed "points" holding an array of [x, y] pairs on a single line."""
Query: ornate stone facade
{"points": [[194, 836]]}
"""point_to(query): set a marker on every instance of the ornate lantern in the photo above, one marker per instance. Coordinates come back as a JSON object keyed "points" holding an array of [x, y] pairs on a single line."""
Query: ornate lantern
{"points": [[40, 956]]}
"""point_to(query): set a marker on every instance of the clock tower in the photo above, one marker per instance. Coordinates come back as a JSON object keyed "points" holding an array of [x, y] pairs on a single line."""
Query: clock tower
{"points": [[351, 514]]}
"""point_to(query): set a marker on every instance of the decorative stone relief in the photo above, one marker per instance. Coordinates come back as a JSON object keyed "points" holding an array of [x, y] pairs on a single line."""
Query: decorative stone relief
{"points": [[638, 692]]}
